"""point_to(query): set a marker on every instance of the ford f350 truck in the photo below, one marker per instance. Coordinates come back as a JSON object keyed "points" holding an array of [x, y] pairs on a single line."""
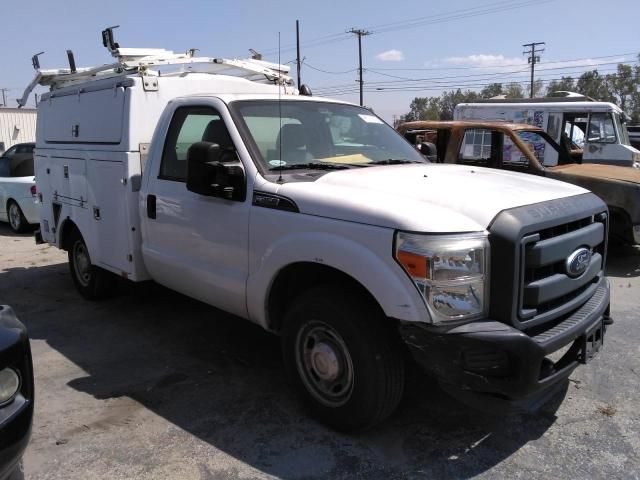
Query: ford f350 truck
{"points": [[316, 220]]}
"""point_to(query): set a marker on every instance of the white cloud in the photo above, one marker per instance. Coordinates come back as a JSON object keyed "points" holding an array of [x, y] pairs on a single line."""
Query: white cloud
{"points": [[486, 60], [391, 56]]}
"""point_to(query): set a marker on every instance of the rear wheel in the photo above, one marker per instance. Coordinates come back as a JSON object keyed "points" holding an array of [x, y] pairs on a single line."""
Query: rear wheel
{"points": [[17, 220], [343, 357], [92, 282]]}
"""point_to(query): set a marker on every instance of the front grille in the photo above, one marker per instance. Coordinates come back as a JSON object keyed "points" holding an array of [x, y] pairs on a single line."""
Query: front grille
{"points": [[547, 291], [530, 248]]}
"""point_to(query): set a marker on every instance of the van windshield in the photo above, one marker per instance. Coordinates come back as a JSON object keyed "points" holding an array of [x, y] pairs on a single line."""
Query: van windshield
{"points": [[622, 128], [301, 134]]}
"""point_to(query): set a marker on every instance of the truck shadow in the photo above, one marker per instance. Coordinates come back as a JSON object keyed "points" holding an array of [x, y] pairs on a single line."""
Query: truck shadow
{"points": [[221, 379], [623, 261]]}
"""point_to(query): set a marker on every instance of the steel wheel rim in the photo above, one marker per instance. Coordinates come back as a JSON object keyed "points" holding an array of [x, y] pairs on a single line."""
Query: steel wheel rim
{"points": [[14, 216], [324, 364], [81, 263]]}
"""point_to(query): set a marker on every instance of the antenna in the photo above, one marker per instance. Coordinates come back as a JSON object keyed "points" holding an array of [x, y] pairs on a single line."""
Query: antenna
{"points": [[280, 111]]}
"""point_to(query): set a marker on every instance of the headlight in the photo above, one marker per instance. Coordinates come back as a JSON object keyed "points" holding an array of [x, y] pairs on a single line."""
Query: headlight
{"points": [[9, 385], [451, 272]]}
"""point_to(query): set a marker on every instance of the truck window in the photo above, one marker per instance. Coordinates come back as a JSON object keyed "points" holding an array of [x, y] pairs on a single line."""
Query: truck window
{"points": [[601, 128], [476, 147], [188, 126], [544, 152]]}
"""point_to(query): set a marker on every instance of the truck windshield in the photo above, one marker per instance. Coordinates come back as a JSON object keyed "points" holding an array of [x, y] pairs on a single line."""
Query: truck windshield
{"points": [[307, 134]]}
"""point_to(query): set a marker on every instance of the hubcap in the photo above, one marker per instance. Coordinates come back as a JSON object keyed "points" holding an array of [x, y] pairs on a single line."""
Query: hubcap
{"points": [[14, 216], [81, 263], [324, 364]]}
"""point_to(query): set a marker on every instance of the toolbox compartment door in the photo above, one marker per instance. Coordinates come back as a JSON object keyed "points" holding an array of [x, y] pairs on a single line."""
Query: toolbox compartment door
{"points": [[84, 117]]}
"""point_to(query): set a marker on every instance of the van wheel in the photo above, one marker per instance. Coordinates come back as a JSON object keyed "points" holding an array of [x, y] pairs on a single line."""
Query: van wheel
{"points": [[343, 358], [92, 282], [17, 221]]}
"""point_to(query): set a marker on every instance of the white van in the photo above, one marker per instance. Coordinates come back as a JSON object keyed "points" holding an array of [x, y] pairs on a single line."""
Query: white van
{"points": [[592, 132]]}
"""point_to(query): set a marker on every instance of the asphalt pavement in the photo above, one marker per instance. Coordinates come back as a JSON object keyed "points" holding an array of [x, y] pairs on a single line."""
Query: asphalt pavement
{"points": [[151, 384]]}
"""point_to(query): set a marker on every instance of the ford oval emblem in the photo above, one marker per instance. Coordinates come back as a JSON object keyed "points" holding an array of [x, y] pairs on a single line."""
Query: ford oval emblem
{"points": [[578, 262]]}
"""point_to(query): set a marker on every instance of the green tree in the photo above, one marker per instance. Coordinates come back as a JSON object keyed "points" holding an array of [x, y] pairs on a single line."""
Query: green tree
{"points": [[623, 84], [423, 108], [448, 101], [594, 85], [491, 90], [565, 84], [514, 90]]}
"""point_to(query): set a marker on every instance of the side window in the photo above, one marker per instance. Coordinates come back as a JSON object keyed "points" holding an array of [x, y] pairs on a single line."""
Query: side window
{"points": [[190, 125], [476, 147], [10, 153], [601, 128]]}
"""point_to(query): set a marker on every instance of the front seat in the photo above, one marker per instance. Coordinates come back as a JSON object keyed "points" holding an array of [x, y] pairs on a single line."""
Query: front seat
{"points": [[292, 139], [216, 132]]}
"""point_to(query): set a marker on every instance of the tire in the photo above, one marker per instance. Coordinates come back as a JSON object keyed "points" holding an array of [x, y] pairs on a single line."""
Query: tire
{"points": [[17, 221], [344, 359], [93, 283]]}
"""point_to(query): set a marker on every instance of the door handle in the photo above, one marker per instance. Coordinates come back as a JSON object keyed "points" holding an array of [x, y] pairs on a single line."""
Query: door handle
{"points": [[151, 206]]}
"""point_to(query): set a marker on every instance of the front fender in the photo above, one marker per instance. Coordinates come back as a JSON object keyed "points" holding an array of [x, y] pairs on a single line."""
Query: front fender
{"points": [[363, 252]]}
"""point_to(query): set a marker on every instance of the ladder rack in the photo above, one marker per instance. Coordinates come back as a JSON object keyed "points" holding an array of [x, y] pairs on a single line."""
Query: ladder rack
{"points": [[141, 61]]}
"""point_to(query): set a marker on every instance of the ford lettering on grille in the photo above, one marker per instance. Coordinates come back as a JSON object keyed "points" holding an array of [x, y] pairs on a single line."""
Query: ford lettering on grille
{"points": [[578, 262]]}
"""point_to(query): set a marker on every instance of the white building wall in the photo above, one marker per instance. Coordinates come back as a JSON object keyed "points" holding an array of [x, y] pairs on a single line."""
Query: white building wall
{"points": [[17, 125]]}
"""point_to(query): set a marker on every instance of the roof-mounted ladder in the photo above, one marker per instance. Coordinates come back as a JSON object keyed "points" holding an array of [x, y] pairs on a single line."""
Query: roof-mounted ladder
{"points": [[141, 61]]}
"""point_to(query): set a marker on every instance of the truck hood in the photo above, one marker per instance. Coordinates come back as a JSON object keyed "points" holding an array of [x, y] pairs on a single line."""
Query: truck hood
{"points": [[424, 198], [596, 170]]}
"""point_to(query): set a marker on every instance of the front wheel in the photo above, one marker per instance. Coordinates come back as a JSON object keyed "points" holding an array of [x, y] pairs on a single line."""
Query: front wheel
{"points": [[17, 220], [92, 282], [343, 357]]}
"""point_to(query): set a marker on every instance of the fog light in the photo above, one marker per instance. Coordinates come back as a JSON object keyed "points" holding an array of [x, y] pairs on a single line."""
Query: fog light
{"points": [[9, 385]]}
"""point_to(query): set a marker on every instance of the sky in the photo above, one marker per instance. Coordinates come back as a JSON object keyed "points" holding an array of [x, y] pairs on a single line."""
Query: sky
{"points": [[414, 49]]}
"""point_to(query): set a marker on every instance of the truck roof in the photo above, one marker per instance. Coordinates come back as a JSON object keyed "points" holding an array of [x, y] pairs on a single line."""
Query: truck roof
{"points": [[558, 104], [489, 124]]}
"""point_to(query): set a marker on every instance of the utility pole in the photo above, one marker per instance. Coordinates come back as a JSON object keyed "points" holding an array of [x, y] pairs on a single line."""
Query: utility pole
{"points": [[4, 98], [360, 33], [298, 50], [533, 59]]}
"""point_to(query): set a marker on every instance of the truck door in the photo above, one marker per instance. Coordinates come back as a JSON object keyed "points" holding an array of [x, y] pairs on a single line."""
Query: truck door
{"points": [[192, 243], [600, 133]]}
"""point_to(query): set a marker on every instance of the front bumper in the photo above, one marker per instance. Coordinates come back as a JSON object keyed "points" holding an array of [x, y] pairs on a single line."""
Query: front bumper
{"points": [[495, 367], [15, 417]]}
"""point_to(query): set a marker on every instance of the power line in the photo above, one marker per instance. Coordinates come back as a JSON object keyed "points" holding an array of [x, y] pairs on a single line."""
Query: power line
{"points": [[495, 7], [440, 87], [447, 80], [505, 64]]}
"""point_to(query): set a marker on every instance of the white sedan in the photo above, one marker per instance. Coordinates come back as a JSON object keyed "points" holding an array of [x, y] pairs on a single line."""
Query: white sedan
{"points": [[18, 199]]}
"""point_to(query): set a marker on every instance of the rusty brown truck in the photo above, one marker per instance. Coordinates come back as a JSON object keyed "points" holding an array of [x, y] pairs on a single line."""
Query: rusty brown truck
{"points": [[528, 149]]}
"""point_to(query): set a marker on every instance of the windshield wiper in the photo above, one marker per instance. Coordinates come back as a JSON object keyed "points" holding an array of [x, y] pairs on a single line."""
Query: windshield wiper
{"points": [[312, 166], [393, 161]]}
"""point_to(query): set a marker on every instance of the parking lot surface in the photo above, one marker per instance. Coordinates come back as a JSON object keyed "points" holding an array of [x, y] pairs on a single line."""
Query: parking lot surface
{"points": [[151, 384]]}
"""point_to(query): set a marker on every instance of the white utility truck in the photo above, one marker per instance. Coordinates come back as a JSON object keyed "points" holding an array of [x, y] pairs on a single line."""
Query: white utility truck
{"points": [[590, 131], [316, 220]]}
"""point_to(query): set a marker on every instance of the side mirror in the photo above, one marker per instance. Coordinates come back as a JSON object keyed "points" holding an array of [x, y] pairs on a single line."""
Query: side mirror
{"points": [[214, 172], [429, 150]]}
